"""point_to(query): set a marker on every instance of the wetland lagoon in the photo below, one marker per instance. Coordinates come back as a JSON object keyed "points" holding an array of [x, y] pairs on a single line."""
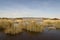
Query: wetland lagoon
{"points": [[29, 29]]}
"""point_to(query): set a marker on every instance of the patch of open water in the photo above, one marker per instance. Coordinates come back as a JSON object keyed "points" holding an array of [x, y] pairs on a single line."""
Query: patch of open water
{"points": [[46, 35]]}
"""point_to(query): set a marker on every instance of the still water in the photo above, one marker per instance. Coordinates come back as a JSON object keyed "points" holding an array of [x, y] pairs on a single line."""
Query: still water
{"points": [[46, 35]]}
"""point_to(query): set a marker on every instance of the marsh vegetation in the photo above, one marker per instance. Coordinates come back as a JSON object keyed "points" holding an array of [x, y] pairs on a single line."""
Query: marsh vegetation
{"points": [[32, 26]]}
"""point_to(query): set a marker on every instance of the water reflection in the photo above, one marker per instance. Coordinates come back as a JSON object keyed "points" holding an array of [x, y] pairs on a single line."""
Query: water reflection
{"points": [[46, 35]]}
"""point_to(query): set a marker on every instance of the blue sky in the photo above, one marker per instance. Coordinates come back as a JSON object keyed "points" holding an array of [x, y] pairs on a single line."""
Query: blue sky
{"points": [[30, 8]]}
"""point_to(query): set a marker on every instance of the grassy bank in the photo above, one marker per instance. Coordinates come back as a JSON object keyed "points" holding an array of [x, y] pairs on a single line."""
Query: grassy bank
{"points": [[8, 27]]}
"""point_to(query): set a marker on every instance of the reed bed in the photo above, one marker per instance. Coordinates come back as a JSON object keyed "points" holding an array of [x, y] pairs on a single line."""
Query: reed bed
{"points": [[10, 27]]}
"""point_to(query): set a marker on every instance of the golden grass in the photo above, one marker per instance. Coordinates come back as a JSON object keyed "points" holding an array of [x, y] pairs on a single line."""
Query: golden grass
{"points": [[32, 25], [55, 23]]}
